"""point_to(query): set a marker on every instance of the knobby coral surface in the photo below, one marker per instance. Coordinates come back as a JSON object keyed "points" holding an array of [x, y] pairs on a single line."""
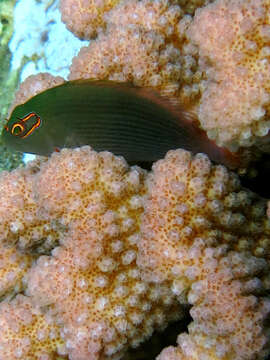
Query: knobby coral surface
{"points": [[215, 61], [96, 255], [141, 44], [209, 56], [85, 18], [197, 234], [86, 298], [100, 254], [233, 39]]}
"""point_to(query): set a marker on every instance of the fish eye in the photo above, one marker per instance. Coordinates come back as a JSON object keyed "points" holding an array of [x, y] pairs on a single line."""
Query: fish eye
{"points": [[25, 126], [17, 129]]}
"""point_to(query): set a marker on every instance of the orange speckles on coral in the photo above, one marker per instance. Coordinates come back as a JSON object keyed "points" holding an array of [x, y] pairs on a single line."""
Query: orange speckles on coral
{"points": [[198, 248], [27, 333], [13, 266], [120, 250], [138, 46], [90, 283], [85, 18], [215, 63], [234, 107]]}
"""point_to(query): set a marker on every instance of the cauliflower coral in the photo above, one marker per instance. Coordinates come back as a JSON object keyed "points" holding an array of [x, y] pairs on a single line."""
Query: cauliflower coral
{"points": [[197, 234], [212, 57], [215, 62], [84, 209], [107, 253], [95, 254], [233, 40]]}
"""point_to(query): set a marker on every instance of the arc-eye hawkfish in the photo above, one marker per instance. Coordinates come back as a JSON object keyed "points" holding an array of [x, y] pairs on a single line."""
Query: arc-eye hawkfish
{"points": [[134, 122]]}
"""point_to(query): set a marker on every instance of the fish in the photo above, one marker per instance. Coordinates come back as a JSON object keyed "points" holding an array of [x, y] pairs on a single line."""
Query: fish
{"points": [[128, 120]]}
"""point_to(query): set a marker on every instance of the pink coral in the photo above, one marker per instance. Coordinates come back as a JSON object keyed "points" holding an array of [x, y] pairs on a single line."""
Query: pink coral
{"points": [[209, 237], [90, 205], [100, 200], [85, 18], [24, 228], [145, 42], [88, 18], [130, 249], [27, 333], [215, 63], [33, 85], [120, 251], [233, 40], [137, 47], [13, 267]]}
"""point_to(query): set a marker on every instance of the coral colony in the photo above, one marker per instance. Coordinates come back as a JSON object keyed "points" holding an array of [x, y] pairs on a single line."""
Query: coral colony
{"points": [[97, 254]]}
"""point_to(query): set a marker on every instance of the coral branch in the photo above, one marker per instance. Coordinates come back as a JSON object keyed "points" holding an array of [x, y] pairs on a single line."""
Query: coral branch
{"points": [[129, 251]]}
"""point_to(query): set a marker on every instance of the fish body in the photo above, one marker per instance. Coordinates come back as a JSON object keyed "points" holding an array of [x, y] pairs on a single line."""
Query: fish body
{"points": [[134, 122]]}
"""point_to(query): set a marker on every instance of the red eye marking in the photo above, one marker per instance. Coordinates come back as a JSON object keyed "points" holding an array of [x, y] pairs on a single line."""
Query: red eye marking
{"points": [[34, 126], [19, 127], [29, 116]]}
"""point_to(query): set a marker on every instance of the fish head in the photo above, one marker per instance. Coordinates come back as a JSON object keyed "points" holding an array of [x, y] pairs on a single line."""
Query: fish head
{"points": [[23, 130]]}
